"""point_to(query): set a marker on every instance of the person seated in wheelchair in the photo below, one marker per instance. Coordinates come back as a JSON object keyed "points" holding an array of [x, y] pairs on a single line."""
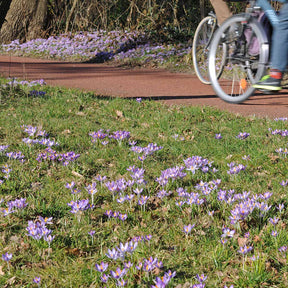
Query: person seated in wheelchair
{"points": [[279, 54]]}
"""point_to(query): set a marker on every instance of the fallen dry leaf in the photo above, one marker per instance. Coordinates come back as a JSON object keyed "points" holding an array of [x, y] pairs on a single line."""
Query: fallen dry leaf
{"points": [[1, 271], [119, 113], [77, 174], [242, 241]]}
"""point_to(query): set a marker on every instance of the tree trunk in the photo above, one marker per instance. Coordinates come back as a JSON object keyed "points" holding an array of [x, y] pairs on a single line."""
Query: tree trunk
{"points": [[26, 20], [202, 8]]}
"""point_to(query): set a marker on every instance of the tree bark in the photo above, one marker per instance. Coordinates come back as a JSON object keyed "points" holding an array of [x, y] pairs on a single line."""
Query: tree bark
{"points": [[26, 20], [202, 8]]}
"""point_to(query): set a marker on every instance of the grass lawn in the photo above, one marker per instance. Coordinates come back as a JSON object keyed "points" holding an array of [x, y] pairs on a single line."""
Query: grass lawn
{"points": [[105, 192]]}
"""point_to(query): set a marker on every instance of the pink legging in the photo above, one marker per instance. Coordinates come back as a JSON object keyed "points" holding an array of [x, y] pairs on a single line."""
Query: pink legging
{"points": [[221, 9]]}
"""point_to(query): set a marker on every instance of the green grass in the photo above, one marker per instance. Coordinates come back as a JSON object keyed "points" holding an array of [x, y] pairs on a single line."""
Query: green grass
{"points": [[68, 116]]}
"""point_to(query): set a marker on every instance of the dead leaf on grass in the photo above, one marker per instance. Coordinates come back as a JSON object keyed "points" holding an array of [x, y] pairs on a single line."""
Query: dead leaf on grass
{"points": [[11, 280], [1, 271], [67, 131], [119, 114], [77, 174], [145, 125], [257, 239], [242, 241], [156, 271], [80, 114], [273, 158], [73, 251]]}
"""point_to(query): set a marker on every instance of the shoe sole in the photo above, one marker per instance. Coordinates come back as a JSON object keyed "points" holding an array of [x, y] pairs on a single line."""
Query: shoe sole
{"points": [[267, 87], [267, 92]]}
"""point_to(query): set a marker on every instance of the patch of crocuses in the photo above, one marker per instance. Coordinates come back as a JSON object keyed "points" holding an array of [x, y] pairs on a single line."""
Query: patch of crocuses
{"points": [[123, 262], [98, 46]]}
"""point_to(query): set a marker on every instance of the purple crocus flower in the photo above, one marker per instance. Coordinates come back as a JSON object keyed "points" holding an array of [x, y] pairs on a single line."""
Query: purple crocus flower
{"points": [[102, 267], [243, 135], [143, 200], [7, 211], [274, 220], [113, 254], [227, 233], [128, 265], [7, 256], [199, 285], [70, 185], [280, 207], [122, 217], [49, 238], [245, 249], [121, 283], [201, 278], [169, 275], [283, 249], [91, 233], [159, 283], [118, 273], [37, 280], [187, 229], [108, 213], [104, 278], [18, 203], [218, 136]]}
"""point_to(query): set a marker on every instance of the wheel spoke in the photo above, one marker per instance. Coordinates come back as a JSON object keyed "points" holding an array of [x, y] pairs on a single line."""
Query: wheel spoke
{"points": [[242, 66]]}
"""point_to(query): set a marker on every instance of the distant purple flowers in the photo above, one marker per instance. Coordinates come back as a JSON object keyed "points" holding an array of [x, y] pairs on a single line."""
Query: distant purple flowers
{"points": [[162, 282], [171, 173], [235, 169], [13, 206], [115, 214], [243, 135], [119, 136], [37, 280], [283, 133], [7, 256], [3, 148], [33, 83], [150, 149], [245, 249], [52, 155], [81, 205], [16, 156], [187, 229], [195, 163], [122, 250], [218, 136]]}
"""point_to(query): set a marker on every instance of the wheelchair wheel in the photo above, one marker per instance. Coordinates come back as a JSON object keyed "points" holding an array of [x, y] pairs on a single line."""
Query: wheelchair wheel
{"points": [[246, 56], [200, 48]]}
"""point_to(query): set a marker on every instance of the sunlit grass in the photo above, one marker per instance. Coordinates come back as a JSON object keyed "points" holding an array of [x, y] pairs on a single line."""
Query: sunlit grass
{"points": [[68, 117]]}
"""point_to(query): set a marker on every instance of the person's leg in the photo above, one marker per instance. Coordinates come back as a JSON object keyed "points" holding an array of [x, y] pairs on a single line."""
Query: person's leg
{"points": [[221, 9], [279, 54], [279, 57]]}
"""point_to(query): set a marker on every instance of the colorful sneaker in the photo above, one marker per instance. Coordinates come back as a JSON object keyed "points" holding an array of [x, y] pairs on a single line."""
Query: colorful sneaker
{"points": [[268, 83]]}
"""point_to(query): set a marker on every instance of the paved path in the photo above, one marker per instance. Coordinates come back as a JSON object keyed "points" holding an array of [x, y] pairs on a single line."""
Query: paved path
{"points": [[171, 88]]}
